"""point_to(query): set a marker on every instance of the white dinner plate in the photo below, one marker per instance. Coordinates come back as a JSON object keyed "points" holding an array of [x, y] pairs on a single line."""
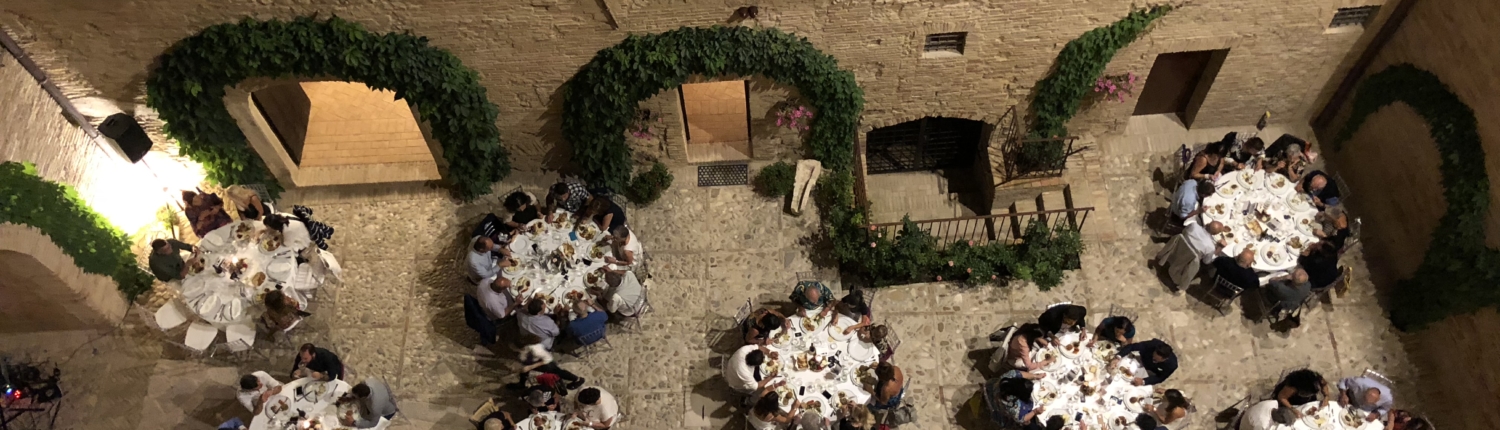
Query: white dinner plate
{"points": [[863, 351], [1280, 185], [281, 269], [1272, 255], [1250, 179], [1321, 419], [836, 330]]}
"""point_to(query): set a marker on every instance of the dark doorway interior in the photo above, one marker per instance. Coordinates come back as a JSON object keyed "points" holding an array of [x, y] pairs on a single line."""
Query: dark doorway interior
{"points": [[1178, 83], [930, 143], [286, 107]]}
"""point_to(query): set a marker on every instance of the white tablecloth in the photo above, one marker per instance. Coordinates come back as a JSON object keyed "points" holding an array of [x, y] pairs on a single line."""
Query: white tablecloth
{"points": [[316, 401], [550, 421], [536, 276], [851, 380], [1264, 210], [1082, 386], [221, 299], [1332, 417]]}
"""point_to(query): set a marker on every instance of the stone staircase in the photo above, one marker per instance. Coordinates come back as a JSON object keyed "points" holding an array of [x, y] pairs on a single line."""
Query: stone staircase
{"points": [[1080, 186]]}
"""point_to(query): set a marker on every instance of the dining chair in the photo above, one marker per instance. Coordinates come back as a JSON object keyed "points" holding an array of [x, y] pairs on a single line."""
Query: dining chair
{"points": [[238, 339], [600, 343], [633, 321], [1372, 374], [894, 341], [1223, 292], [382, 424], [169, 316], [997, 360], [333, 265], [743, 313], [200, 336], [1058, 304]]}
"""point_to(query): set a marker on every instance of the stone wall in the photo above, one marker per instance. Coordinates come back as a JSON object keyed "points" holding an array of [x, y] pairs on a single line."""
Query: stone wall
{"points": [[45, 291], [1391, 165], [1280, 55]]}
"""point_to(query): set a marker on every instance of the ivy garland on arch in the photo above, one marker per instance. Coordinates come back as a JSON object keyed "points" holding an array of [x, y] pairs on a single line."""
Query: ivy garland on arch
{"points": [[600, 101], [1459, 274], [187, 89]]}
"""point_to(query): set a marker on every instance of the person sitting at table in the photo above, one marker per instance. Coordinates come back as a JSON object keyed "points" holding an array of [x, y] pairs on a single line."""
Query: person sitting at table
{"points": [[1145, 422], [596, 408], [255, 388], [1188, 251], [604, 212], [1247, 156], [317, 363], [166, 261], [742, 369], [1117, 329], [485, 258], [1321, 261], [535, 321], [855, 417], [1014, 397], [767, 414], [1332, 226], [758, 326], [496, 302], [569, 194], [1060, 317], [1259, 416], [1321, 188], [1366, 394], [1187, 200], [890, 386], [1287, 147], [292, 230], [1027, 336], [852, 306], [1288, 291], [811, 296], [247, 202], [542, 396], [1172, 407], [812, 420], [1402, 420], [1292, 169], [536, 358], [522, 211], [1208, 164], [490, 417], [1298, 388], [204, 211], [626, 249], [588, 324], [880, 336], [373, 400], [1237, 270], [1156, 358], [282, 312]]}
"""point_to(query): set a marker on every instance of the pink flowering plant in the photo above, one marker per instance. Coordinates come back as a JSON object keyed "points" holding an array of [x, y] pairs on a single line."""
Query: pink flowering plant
{"points": [[642, 126], [794, 117], [1116, 87]]}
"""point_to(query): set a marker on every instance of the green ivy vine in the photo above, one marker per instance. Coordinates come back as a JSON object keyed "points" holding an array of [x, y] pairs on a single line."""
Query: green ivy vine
{"points": [[187, 89], [1080, 63], [96, 246], [601, 99], [1459, 274]]}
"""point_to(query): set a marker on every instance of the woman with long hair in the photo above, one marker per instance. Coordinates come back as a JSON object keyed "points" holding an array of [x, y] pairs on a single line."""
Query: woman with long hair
{"points": [[767, 414], [1027, 336]]}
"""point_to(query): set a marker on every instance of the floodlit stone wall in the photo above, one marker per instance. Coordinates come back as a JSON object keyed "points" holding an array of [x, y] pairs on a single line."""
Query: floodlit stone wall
{"points": [[1281, 52]]}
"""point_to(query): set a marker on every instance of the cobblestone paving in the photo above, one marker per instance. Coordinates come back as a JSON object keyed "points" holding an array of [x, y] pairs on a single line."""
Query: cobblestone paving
{"points": [[398, 315]]}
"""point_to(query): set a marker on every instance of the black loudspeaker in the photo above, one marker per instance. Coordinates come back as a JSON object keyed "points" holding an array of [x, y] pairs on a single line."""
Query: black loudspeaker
{"points": [[128, 133]]}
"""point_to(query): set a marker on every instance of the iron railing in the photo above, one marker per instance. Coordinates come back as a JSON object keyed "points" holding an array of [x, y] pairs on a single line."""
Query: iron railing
{"points": [[1038, 158], [1007, 228]]}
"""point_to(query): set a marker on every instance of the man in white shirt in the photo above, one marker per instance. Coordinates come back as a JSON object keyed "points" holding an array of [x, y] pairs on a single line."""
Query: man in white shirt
{"points": [[255, 388], [596, 407], [741, 370], [484, 260], [1201, 239], [496, 297], [1189, 251]]}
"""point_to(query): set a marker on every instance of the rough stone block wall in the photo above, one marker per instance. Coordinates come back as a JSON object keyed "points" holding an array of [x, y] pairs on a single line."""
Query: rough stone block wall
{"points": [[1280, 57], [45, 291], [1392, 163]]}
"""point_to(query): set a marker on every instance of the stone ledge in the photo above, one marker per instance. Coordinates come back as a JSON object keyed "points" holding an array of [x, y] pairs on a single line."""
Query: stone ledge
{"points": [[94, 299]]}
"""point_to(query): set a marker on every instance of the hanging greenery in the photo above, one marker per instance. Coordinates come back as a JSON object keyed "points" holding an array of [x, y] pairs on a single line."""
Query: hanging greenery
{"points": [[648, 185], [1459, 274], [187, 89], [601, 100], [96, 246], [776, 180], [1078, 68]]}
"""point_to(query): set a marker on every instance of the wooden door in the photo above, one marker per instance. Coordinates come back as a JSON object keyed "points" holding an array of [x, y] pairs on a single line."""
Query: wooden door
{"points": [[1172, 82]]}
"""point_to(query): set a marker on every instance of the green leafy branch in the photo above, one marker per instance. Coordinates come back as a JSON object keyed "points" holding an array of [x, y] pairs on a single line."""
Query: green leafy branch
{"points": [[1079, 66]]}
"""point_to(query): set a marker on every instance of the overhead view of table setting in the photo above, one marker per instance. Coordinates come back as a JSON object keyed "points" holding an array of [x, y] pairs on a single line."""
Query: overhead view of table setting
{"points": [[305, 404], [1263, 211], [550, 420], [558, 260], [822, 366], [1080, 385]]}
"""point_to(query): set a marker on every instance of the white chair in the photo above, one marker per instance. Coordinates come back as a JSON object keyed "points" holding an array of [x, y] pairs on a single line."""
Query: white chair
{"points": [[240, 332], [333, 265], [1372, 374], [169, 316], [997, 360], [743, 313], [200, 336], [382, 424], [633, 320]]}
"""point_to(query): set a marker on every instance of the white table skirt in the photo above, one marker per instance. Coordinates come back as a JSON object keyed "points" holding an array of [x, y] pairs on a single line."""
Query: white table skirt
{"points": [[1287, 223]]}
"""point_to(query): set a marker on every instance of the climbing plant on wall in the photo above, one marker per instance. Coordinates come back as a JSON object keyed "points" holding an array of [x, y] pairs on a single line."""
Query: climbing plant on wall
{"points": [[187, 89], [600, 101], [96, 246], [1079, 66], [1459, 273]]}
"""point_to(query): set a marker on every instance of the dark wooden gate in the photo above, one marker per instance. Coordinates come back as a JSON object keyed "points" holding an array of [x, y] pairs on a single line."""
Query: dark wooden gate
{"points": [[926, 144]]}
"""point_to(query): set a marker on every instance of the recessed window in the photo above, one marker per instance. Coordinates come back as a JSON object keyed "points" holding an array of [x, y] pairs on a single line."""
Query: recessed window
{"points": [[1353, 16], [944, 44]]}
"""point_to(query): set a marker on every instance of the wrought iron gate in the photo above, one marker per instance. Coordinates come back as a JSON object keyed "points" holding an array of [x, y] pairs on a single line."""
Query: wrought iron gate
{"points": [[925, 144]]}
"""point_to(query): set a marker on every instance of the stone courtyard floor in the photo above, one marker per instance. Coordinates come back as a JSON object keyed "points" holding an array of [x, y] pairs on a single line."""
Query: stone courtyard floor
{"points": [[398, 315]]}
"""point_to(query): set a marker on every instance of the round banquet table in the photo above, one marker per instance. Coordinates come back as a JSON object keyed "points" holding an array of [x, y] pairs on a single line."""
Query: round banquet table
{"points": [[582, 249], [848, 373], [550, 421], [1315, 417], [1264, 210], [1080, 384], [220, 298], [317, 401]]}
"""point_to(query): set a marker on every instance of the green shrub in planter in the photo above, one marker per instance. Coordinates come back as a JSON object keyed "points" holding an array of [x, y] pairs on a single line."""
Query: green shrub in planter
{"points": [[1042, 156], [776, 180], [647, 186], [96, 246]]}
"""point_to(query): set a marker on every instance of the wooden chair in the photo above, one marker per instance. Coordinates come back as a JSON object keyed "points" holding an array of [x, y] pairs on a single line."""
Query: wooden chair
{"points": [[1223, 292]]}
